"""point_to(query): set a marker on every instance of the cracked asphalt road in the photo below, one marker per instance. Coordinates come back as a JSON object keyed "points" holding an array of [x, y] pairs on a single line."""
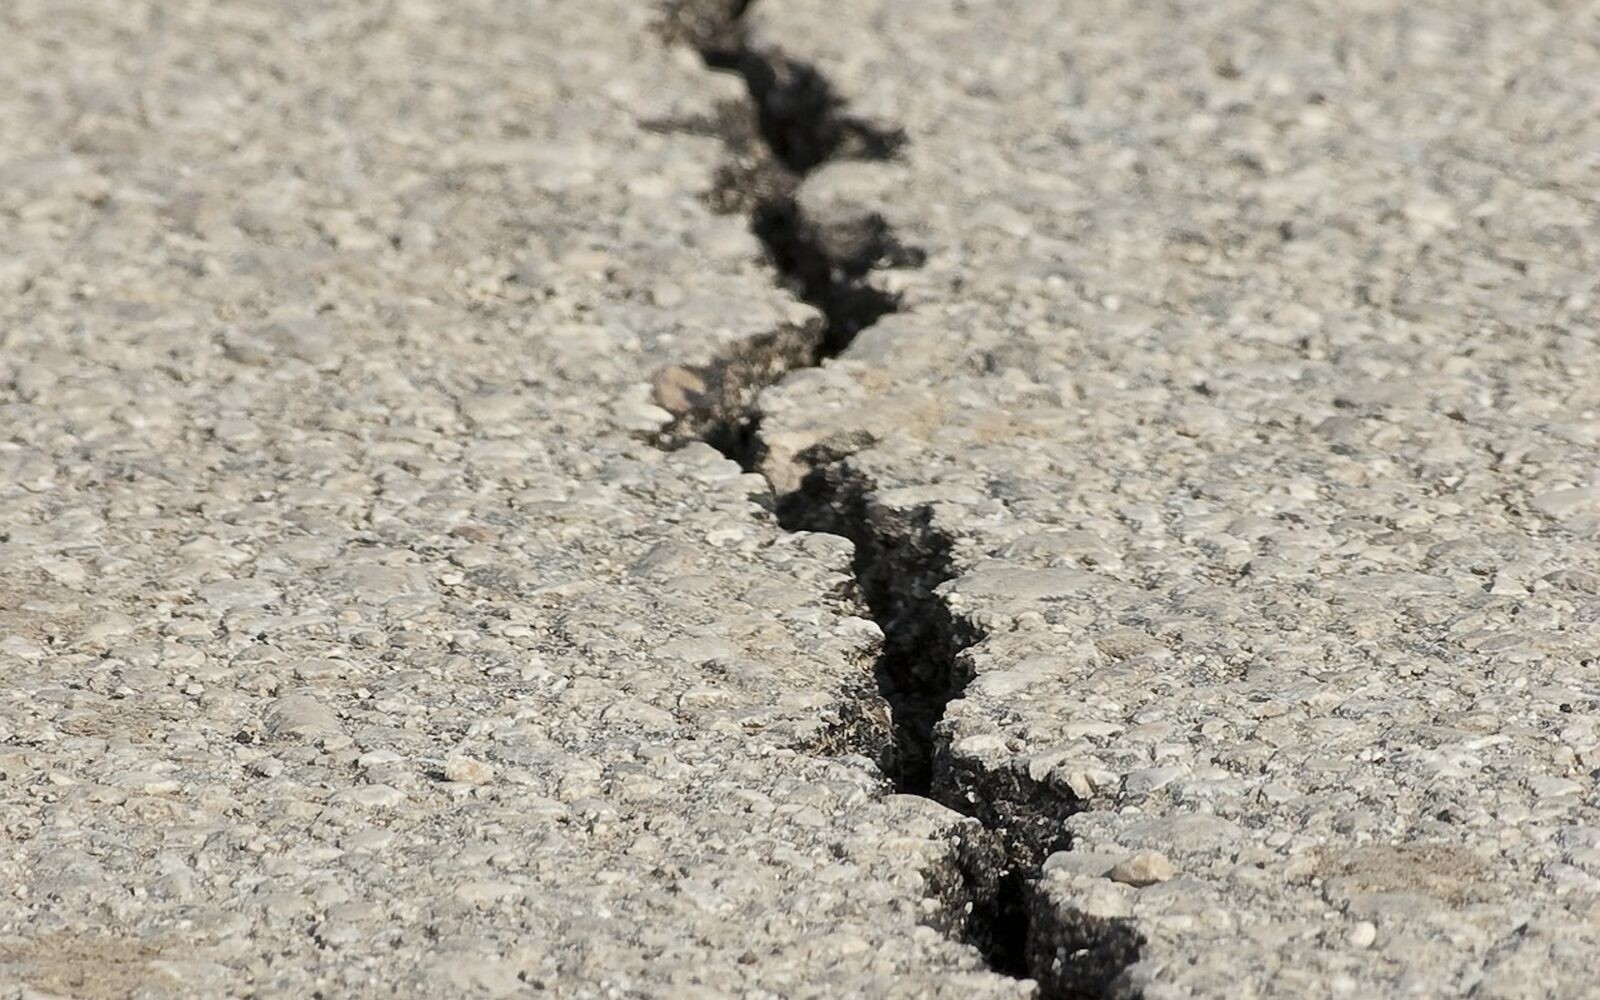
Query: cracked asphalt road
{"points": [[1144, 541]]}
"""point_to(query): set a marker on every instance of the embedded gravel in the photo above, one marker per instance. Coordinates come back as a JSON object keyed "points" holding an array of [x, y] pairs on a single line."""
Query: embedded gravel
{"points": [[1218, 435], [355, 639], [1250, 381]]}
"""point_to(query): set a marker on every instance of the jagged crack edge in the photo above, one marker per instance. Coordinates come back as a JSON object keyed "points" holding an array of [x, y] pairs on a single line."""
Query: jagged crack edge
{"points": [[901, 560], [898, 566]]}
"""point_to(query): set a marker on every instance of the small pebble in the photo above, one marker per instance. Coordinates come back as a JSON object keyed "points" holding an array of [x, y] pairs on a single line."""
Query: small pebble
{"points": [[468, 771], [1142, 869], [1362, 934]]}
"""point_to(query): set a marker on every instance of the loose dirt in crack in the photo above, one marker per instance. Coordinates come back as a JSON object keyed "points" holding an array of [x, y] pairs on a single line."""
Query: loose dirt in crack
{"points": [[792, 124], [899, 564]]}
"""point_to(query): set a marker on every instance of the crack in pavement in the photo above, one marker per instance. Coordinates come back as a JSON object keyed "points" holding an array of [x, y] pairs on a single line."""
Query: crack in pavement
{"points": [[793, 123]]}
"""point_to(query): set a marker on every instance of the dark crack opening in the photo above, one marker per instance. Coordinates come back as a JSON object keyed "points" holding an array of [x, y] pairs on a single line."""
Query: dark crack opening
{"points": [[899, 563], [793, 123]]}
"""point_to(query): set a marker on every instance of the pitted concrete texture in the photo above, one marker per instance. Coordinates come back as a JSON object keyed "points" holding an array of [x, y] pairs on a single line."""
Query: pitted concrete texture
{"points": [[1252, 382], [1209, 391], [353, 641]]}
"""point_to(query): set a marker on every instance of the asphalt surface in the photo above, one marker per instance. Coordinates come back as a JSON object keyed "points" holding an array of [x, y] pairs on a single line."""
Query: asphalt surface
{"points": [[1249, 384], [1145, 539]]}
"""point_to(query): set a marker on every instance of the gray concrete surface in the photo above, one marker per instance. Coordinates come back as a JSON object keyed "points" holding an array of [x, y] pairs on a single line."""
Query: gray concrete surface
{"points": [[353, 641], [1251, 381], [1206, 394]]}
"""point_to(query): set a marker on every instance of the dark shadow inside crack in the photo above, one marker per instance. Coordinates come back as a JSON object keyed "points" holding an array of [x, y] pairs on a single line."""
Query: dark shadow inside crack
{"points": [[897, 568], [1072, 954], [800, 118], [715, 402], [899, 562], [793, 123], [829, 269]]}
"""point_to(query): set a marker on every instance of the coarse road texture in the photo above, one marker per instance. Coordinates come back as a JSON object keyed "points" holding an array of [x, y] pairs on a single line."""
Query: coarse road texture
{"points": [[895, 498]]}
